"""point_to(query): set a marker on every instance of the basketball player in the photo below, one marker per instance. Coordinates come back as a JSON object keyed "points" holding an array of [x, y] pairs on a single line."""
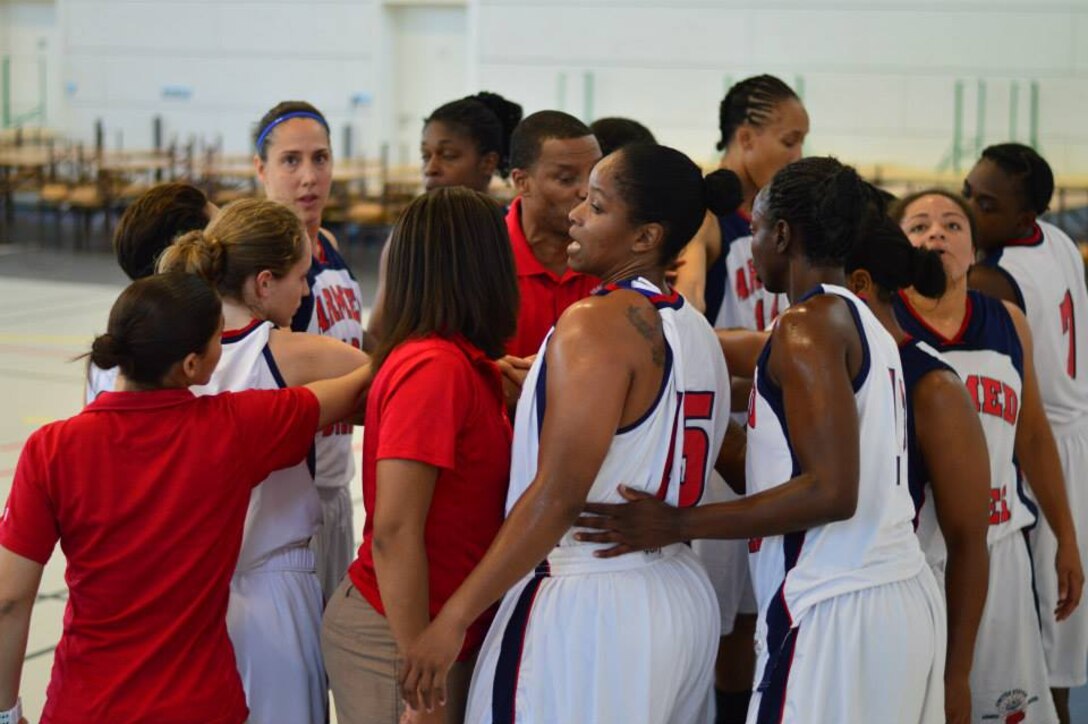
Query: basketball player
{"points": [[465, 143], [294, 164], [828, 514], [763, 126], [149, 225], [1034, 265], [988, 343], [601, 405], [146, 490], [258, 255], [950, 484]]}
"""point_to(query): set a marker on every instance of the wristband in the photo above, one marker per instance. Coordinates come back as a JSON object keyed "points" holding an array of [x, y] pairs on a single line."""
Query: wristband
{"points": [[14, 714]]}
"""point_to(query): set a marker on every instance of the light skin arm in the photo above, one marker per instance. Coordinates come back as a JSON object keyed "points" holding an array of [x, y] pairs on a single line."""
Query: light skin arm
{"points": [[960, 477], [811, 367], [1038, 456], [402, 500], [377, 308], [583, 364], [304, 359], [19, 581], [342, 397], [696, 257]]}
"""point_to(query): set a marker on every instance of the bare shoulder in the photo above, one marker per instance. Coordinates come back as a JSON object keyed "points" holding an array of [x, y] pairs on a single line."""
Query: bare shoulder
{"points": [[991, 282], [617, 324], [331, 237], [933, 392], [816, 318], [303, 357]]}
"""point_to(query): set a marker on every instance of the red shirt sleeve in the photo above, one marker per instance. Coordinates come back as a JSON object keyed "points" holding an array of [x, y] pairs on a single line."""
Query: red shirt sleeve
{"points": [[277, 426], [424, 408], [29, 524]]}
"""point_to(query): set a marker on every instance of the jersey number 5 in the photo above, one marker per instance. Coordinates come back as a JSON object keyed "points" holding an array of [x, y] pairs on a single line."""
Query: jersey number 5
{"points": [[1069, 325], [697, 406]]}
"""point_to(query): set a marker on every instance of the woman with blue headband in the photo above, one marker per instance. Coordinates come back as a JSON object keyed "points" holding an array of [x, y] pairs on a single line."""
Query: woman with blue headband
{"points": [[294, 164]]}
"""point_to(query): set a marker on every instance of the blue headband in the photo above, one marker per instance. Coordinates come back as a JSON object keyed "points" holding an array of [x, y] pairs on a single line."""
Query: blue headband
{"points": [[286, 117]]}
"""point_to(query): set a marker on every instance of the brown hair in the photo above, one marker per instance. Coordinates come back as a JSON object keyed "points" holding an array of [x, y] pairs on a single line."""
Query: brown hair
{"points": [[153, 221], [155, 323], [898, 209], [247, 237], [450, 271]]}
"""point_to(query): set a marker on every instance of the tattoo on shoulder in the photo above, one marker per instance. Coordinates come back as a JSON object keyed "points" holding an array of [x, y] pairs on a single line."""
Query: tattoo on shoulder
{"points": [[650, 329]]}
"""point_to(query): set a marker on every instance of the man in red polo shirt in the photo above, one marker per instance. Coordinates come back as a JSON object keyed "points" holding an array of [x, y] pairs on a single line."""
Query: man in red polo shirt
{"points": [[551, 155]]}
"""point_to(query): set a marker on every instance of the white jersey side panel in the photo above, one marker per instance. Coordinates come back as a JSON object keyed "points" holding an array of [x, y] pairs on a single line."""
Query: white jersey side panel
{"points": [[284, 510], [1050, 277], [100, 380], [877, 545], [747, 304], [705, 384]]}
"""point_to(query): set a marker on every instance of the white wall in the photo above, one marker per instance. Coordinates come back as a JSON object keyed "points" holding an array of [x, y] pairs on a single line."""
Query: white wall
{"points": [[30, 36], [234, 60], [878, 75]]}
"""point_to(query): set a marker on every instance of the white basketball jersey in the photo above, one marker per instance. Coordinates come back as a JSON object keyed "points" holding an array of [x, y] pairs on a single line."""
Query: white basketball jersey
{"points": [[284, 510], [100, 380], [333, 309], [647, 454], [1047, 272], [747, 304], [706, 389], [877, 544], [987, 355]]}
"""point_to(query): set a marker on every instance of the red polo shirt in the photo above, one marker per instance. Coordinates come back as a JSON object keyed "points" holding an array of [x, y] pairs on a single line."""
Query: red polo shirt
{"points": [[440, 402], [147, 493], [544, 295]]}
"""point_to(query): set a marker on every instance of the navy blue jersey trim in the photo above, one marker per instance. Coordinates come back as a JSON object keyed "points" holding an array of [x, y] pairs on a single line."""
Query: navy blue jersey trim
{"points": [[541, 393], [657, 398], [863, 371], [508, 666], [273, 367], [772, 702]]}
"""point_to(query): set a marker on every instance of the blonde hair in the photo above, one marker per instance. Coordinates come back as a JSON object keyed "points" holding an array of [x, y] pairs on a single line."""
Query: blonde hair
{"points": [[247, 237]]}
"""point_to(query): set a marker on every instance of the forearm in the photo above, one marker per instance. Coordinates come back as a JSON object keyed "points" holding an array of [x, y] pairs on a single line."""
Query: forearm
{"points": [[530, 532], [799, 504], [14, 630], [341, 396], [966, 580], [402, 569]]}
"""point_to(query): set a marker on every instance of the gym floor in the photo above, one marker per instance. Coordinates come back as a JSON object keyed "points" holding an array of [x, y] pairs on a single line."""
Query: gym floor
{"points": [[53, 299]]}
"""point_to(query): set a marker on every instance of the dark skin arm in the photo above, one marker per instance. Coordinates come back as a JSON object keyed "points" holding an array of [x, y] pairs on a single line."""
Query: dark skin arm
{"points": [[592, 356], [960, 477], [1038, 456], [814, 355], [731, 457], [741, 348], [992, 283]]}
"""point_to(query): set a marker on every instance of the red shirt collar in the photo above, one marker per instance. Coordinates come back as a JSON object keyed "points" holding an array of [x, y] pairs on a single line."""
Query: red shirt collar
{"points": [[526, 263], [1031, 239], [140, 400]]}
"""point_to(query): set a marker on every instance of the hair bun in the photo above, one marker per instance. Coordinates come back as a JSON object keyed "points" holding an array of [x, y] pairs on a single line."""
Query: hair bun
{"points": [[927, 272], [107, 351], [195, 252], [724, 193]]}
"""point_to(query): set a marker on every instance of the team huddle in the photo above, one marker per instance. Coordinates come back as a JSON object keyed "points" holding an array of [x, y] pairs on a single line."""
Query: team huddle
{"points": [[642, 446]]}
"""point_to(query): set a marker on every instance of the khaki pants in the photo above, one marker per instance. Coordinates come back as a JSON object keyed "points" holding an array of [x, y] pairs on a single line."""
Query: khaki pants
{"points": [[363, 667]]}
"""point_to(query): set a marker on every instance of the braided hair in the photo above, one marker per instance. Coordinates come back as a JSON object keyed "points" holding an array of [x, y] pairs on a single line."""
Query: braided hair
{"points": [[751, 101]]}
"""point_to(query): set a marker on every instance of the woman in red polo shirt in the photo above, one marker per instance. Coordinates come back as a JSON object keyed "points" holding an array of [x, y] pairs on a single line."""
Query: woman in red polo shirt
{"points": [[436, 455], [147, 491]]}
